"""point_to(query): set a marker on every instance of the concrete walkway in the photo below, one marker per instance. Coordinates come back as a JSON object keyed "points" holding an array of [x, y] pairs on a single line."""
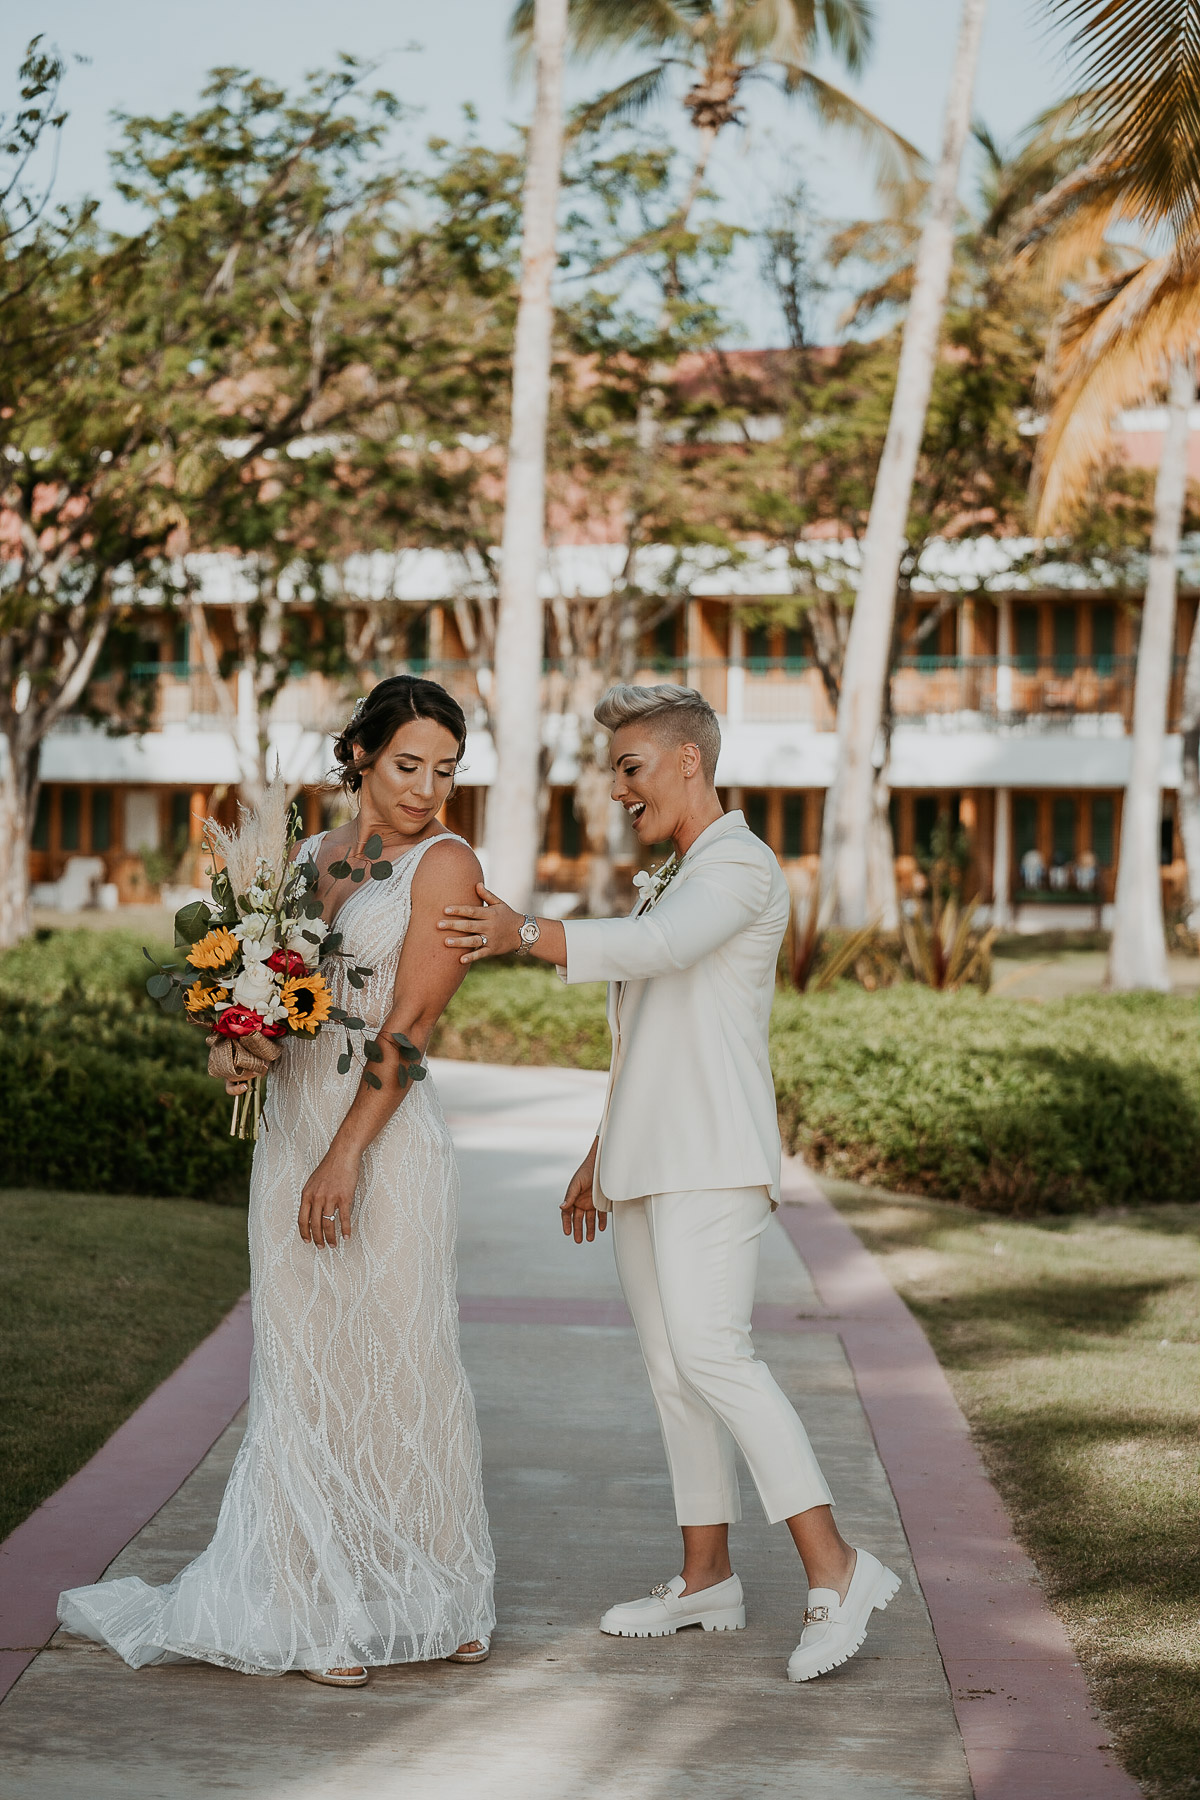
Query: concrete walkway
{"points": [[581, 1515]]}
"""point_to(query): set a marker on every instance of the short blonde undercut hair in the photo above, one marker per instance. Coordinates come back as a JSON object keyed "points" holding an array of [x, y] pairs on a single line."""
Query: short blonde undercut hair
{"points": [[677, 714]]}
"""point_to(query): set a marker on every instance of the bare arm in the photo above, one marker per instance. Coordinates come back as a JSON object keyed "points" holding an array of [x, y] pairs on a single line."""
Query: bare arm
{"points": [[492, 928], [427, 976]]}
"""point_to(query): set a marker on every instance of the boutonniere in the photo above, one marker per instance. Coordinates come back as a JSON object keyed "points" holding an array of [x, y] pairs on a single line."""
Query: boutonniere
{"points": [[652, 887]]}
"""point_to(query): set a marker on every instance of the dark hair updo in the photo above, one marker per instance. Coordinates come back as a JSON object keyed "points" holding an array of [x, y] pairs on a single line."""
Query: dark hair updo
{"points": [[393, 703]]}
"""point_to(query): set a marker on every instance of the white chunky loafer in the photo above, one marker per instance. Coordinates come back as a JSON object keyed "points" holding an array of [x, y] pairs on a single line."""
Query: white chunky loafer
{"points": [[667, 1609], [835, 1629]]}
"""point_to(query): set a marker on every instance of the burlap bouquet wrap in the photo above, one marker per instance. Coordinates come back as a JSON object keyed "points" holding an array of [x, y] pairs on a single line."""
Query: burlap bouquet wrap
{"points": [[242, 1059]]}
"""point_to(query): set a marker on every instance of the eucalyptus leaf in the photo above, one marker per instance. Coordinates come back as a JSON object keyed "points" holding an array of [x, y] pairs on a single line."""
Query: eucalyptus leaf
{"points": [[335, 1012], [312, 909], [343, 1063], [352, 1024], [373, 846], [418, 1073], [174, 1000], [371, 1050], [339, 870], [371, 1079], [357, 874], [354, 978], [380, 871], [192, 922], [159, 986]]}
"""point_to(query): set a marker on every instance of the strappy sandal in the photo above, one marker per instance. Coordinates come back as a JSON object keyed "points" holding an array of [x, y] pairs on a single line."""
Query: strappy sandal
{"points": [[480, 1654], [343, 1678]]}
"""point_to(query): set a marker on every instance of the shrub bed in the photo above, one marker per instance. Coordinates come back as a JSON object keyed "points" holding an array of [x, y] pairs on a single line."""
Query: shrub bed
{"points": [[1006, 1104], [1020, 1107], [99, 1091]]}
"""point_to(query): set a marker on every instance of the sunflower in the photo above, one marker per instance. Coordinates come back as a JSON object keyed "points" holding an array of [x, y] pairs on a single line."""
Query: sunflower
{"points": [[307, 1000], [199, 999], [214, 951]]}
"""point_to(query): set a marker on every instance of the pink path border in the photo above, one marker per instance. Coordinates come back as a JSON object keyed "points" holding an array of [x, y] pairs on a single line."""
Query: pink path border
{"points": [[72, 1537], [1027, 1720]]}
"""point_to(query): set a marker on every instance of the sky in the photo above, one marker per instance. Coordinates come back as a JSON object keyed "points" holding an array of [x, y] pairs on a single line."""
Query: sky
{"points": [[151, 56]]}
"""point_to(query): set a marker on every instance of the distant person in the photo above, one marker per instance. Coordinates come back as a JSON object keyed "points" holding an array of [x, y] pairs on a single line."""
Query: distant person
{"points": [[353, 1530], [687, 1161]]}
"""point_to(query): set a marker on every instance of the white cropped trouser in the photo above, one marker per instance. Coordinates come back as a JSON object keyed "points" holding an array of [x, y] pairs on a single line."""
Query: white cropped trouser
{"points": [[687, 1264]]}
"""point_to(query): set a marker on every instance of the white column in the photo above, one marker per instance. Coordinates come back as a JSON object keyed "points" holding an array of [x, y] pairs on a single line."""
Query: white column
{"points": [[1002, 860], [735, 686], [1004, 650]]}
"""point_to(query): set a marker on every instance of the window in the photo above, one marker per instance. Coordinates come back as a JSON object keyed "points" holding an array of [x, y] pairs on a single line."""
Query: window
{"points": [[756, 815], [925, 818], [793, 644], [1025, 824], [181, 817], [1166, 836], [1063, 829], [666, 639], [1064, 639], [41, 821], [416, 641], [1104, 637], [1103, 829], [570, 835], [1025, 635], [793, 824], [68, 819], [758, 646], [101, 819]]}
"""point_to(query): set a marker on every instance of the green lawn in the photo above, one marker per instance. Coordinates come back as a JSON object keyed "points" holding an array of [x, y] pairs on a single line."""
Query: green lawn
{"points": [[100, 1298], [1074, 1349]]}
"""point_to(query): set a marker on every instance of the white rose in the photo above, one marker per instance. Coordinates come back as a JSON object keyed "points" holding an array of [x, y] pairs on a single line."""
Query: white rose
{"points": [[256, 928], [255, 987], [300, 945]]}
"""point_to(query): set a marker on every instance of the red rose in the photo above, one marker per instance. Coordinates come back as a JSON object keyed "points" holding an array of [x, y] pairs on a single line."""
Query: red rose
{"points": [[238, 1021], [275, 1031], [287, 962]]}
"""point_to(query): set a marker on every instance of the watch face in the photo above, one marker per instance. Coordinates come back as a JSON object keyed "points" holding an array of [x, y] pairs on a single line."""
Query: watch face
{"points": [[531, 931]]}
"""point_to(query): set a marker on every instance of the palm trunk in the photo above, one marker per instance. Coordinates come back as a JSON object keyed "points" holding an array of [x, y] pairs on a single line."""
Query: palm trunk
{"points": [[512, 812], [1137, 957], [17, 797], [848, 816], [1189, 784]]}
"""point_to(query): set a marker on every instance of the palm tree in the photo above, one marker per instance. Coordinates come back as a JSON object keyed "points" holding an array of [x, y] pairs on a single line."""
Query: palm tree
{"points": [[512, 814], [852, 821], [722, 47], [1130, 335]]}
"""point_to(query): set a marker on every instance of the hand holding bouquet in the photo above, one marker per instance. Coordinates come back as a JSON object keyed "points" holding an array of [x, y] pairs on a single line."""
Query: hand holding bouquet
{"points": [[253, 965]]}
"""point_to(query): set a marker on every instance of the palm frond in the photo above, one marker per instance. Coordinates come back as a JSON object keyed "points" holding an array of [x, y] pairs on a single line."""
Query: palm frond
{"points": [[1062, 235], [1142, 58], [597, 27], [1114, 353], [627, 101], [897, 162]]}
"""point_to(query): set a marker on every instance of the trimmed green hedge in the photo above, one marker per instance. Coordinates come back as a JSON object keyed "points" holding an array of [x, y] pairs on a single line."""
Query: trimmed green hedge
{"points": [[1016, 1106], [1058, 1107], [99, 1091]]}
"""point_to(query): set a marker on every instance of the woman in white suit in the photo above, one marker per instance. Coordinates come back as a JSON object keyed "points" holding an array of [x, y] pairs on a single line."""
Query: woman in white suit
{"points": [[687, 1161]]}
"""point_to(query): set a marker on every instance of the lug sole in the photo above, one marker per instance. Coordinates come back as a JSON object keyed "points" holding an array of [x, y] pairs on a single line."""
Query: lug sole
{"points": [[887, 1590], [728, 1619]]}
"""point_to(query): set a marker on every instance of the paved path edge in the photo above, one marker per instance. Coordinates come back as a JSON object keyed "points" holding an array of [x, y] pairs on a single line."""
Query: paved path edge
{"points": [[1028, 1723], [73, 1536]]}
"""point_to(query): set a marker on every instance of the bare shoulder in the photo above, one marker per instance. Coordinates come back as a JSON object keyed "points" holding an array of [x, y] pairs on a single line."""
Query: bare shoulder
{"points": [[448, 863]]}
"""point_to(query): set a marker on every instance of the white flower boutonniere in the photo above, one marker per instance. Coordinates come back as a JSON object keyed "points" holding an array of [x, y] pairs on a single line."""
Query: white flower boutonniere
{"points": [[651, 888]]}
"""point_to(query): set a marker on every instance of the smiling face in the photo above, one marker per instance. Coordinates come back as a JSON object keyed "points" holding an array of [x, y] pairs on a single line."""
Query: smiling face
{"points": [[655, 781], [407, 785]]}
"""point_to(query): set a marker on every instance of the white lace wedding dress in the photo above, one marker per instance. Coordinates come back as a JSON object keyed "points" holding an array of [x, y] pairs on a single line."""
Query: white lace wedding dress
{"points": [[353, 1528]]}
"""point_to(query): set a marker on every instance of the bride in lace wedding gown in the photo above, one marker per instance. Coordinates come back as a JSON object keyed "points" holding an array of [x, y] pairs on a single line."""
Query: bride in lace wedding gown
{"points": [[353, 1529]]}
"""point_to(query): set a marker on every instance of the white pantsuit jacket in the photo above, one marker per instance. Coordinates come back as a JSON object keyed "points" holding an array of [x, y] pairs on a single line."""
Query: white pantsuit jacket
{"points": [[691, 1101]]}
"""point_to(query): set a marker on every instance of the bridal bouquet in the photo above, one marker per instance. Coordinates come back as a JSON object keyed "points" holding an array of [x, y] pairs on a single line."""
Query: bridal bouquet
{"points": [[254, 956]]}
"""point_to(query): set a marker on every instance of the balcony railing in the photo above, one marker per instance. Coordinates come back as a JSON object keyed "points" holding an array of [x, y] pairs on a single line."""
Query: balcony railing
{"points": [[1094, 694]]}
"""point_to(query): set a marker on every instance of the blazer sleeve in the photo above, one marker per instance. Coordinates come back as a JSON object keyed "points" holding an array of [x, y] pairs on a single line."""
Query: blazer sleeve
{"points": [[693, 918]]}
